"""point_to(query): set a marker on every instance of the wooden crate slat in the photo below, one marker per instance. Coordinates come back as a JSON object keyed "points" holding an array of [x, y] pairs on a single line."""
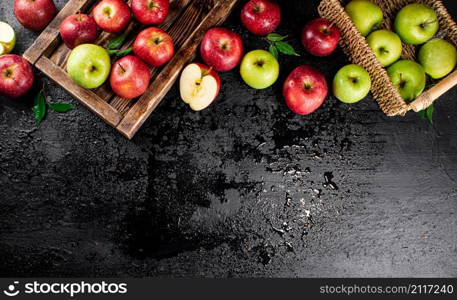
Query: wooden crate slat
{"points": [[87, 97], [143, 108], [49, 38]]}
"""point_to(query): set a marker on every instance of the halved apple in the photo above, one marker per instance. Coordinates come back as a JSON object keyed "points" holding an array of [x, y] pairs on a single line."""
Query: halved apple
{"points": [[199, 86], [7, 38]]}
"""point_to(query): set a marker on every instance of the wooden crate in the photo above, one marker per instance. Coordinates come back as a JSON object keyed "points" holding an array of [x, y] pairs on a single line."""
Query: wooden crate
{"points": [[187, 22]]}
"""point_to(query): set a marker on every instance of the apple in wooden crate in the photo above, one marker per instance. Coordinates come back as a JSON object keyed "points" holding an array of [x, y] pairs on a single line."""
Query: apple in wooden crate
{"points": [[154, 46], [150, 12], [222, 49], [78, 29], [112, 15], [199, 86], [129, 77], [34, 14], [16, 76], [261, 17], [305, 89]]}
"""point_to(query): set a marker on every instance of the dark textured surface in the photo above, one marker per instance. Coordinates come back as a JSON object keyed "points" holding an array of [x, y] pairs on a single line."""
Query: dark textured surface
{"points": [[244, 188]]}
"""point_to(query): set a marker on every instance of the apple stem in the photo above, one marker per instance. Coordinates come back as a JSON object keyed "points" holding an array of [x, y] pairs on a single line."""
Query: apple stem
{"points": [[428, 23], [122, 68]]}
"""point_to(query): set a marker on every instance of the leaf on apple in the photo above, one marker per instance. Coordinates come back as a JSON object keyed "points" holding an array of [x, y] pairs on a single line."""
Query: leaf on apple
{"points": [[117, 42], [39, 107], [60, 107], [274, 51]]}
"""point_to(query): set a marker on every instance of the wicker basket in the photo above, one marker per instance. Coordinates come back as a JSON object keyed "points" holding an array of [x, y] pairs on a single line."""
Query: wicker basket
{"points": [[356, 47]]}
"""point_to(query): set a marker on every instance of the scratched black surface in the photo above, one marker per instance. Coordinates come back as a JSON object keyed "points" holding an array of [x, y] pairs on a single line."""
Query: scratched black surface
{"points": [[242, 189]]}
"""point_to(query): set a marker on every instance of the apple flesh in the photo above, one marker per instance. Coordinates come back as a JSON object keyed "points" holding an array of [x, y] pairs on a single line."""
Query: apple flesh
{"points": [[34, 14], [305, 89], [365, 15], [89, 65], [259, 69], [16, 76], [7, 38], [351, 84], [150, 12], [112, 15], [416, 23], [320, 37], [221, 49], [199, 86], [261, 17], [154, 46], [409, 78], [78, 29], [130, 77], [438, 58], [386, 45]]}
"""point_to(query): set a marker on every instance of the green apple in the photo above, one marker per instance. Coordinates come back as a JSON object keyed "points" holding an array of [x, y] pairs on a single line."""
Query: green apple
{"points": [[89, 65], [438, 58], [416, 24], [7, 38], [365, 15], [351, 84], [409, 78], [259, 69], [386, 46]]}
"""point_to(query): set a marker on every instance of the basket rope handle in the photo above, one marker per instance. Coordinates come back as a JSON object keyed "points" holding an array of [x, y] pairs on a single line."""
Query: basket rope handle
{"points": [[430, 96]]}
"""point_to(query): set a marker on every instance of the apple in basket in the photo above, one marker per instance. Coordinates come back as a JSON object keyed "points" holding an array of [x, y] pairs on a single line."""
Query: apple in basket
{"points": [[305, 89], [199, 86], [386, 45], [154, 46], [16, 76], [365, 15], [34, 14], [112, 15], [416, 23], [438, 57], [409, 78]]}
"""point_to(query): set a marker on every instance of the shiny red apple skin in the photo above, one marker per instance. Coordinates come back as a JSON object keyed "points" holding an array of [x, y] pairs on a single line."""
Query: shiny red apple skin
{"points": [[150, 12], [320, 37], [34, 14], [78, 29], [112, 15], [305, 89], [221, 49], [130, 77], [154, 46], [261, 17], [16, 76]]}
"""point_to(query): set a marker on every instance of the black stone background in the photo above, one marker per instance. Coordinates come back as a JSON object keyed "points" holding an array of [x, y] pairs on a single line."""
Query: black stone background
{"points": [[243, 189]]}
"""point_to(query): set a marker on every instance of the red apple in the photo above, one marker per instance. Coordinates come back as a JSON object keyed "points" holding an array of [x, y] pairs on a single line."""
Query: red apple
{"points": [[16, 76], [222, 49], [261, 17], [199, 86], [150, 12], [112, 15], [154, 46], [34, 14], [78, 29], [320, 37], [305, 90], [129, 77]]}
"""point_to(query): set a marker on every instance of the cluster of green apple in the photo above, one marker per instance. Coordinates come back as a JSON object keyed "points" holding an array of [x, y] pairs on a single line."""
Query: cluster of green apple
{"points": [[415, 24]]}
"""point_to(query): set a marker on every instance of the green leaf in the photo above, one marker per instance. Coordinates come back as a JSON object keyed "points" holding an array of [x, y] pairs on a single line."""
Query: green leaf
{"points": [[117, 42], [274, 37], [39, 107], [423, 114], [60, 107], [430, 111], [273, 51], [286, 48], [120, 53]]}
